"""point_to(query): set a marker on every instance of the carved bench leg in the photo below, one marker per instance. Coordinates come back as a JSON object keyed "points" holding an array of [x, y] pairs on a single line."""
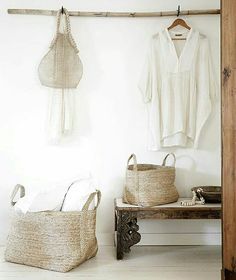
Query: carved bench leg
{"points": [[127, 232]]}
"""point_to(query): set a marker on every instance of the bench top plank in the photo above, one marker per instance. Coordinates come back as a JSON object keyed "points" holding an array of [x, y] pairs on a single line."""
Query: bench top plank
{"points": [[119, 205]]}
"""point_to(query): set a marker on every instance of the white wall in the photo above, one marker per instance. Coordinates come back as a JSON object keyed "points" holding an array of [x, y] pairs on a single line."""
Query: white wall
{"points": [[111, 118]]}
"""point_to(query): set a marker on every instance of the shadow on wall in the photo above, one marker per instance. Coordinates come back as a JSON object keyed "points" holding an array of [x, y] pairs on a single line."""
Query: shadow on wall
{"points": [[198, 179], [191, 174]]}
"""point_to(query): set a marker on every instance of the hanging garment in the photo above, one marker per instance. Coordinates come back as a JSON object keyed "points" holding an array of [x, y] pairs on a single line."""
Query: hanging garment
{"points": [[178, 86], [61, 69], [61, 115]]}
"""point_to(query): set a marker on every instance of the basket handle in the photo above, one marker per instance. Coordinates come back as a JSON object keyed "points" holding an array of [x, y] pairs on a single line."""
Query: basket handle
{"points": [[90, 199], [164, 160], [15, 191], [133, 156]]}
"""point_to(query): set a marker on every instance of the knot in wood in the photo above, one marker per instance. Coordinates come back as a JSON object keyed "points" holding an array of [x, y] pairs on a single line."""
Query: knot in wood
{"points": [[226, 73]]}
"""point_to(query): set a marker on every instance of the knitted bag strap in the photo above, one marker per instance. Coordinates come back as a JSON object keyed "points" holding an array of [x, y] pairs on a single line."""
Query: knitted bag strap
{"points": [[67, 29]]}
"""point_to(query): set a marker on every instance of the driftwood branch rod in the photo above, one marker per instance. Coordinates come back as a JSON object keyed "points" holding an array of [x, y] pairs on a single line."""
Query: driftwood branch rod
{"points": [[114, 14]]}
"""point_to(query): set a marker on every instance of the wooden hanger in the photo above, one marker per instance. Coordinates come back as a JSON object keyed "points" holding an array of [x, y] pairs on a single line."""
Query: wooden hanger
{"points": [[179, 22]]}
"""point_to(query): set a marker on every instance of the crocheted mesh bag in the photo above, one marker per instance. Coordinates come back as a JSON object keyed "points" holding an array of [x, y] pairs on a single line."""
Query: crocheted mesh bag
{"points": [[61, 67]]}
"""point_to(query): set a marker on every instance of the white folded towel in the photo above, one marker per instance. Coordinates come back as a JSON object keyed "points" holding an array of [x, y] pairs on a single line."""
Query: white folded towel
{"points": [[78, 194], [70, 197]]}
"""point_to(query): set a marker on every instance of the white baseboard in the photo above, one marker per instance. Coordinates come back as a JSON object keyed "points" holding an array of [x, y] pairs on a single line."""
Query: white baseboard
{"points": [[181, 239], [106, 239]]}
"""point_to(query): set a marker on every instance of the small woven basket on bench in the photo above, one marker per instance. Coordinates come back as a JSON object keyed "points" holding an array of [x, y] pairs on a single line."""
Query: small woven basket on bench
{"points": [[53, 240], [149, 184]]}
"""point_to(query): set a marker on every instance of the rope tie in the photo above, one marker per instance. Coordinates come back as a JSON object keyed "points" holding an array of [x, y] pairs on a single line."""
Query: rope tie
{"points": [[194, 199]]}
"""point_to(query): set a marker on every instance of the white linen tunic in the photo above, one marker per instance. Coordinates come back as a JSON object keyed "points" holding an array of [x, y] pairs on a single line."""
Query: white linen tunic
{"points": [[178, 89]]}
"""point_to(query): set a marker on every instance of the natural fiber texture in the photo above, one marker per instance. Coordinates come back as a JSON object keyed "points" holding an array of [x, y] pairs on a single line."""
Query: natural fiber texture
{"points": [[150, 185], [61, 67], [56, 241]]}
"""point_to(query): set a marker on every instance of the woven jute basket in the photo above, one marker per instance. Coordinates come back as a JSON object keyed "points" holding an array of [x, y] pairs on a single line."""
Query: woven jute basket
{"points": [[53, 240], [149, 184]]}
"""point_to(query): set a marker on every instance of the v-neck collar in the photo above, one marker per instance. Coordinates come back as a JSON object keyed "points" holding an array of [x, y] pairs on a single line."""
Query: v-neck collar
{"points": [[184, 47]]}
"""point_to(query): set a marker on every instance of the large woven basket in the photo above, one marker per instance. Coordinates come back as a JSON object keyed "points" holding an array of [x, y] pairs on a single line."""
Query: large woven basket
{"points": [[149, 184], [53, 240]]}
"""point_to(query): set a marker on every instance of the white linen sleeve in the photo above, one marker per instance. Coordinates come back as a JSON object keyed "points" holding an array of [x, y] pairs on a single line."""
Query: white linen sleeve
{"points": [[205, 76], [213, 84], [206, 88], [145, 81]]}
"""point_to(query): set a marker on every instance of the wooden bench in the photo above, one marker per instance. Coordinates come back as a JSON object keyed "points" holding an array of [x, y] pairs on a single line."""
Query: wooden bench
{"points": [[126, 216]]}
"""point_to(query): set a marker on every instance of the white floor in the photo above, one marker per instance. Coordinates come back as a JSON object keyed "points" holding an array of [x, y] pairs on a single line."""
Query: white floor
{"points": [[144, 262]]}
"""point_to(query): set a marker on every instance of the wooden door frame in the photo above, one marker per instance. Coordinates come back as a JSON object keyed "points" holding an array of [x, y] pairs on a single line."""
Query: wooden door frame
{"points": [[228, 129]]}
